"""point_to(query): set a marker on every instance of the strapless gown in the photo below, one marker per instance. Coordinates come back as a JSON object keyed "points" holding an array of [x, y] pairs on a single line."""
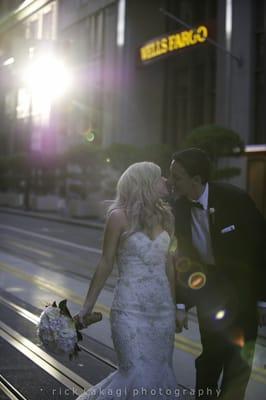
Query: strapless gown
{"points": [[142, 324]]}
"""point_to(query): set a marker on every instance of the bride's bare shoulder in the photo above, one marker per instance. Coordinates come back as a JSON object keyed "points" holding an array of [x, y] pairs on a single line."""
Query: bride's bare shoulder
{"points": [[117, 219]]}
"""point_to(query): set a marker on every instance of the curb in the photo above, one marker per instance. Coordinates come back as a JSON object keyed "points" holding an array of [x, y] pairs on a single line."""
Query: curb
{"points": [[49, 217]]}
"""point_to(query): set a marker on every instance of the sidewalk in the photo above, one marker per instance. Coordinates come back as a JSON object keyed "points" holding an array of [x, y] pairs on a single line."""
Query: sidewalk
{"points": [[86, 222]]}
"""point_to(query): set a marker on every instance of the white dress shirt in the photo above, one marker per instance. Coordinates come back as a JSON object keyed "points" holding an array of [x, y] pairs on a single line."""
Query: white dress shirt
{"points": [[201, 237]]}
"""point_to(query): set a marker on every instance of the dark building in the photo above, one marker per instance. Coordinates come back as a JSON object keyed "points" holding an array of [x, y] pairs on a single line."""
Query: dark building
{"points": [[176, 92], [163, 100]]}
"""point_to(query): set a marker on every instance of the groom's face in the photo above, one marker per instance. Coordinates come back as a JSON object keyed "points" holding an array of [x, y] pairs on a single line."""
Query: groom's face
{"points": [[180, 179]]}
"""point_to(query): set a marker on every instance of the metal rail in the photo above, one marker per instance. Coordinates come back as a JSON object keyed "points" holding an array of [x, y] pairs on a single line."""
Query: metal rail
{"points": [[49, 364], [68, 377], [34, 319], [10, 391]]}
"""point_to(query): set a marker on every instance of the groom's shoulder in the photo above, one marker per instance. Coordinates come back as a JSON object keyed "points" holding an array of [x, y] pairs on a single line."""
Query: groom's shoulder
{"points": [[227, 190], [178, 202]]}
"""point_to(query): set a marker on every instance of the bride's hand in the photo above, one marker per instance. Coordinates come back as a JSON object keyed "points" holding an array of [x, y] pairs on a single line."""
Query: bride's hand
{"points": [[79, 319], [84, 318], [181, 320]]}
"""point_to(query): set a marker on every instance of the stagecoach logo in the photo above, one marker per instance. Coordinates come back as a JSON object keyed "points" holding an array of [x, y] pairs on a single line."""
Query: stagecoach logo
{"points": [[171, 43]]}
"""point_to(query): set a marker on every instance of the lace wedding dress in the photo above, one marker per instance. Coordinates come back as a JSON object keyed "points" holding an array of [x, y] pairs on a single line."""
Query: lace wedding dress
{"points": [[142, 323]]}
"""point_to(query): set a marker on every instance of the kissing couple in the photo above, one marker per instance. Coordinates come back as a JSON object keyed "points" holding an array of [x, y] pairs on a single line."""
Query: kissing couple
{"points": [[218, 266]]}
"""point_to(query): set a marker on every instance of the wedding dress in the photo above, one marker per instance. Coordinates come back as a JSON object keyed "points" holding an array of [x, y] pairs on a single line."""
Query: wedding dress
{"points": [[142, 323]]}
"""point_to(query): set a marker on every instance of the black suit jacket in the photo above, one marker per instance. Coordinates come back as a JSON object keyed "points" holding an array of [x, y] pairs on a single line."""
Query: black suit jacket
{"points": [[240, 256]]}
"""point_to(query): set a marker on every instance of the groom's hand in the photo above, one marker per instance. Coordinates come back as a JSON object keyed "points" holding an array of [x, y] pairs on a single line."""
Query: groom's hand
{"points": [[181, 320], [262, 316]]}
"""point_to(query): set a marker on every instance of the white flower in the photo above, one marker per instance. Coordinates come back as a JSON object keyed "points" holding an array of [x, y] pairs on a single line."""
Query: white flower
{"points": [[68, 333], [51, 312]]}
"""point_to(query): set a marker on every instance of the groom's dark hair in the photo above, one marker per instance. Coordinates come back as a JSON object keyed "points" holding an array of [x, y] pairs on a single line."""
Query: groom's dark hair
{"points": [[195, 162]]}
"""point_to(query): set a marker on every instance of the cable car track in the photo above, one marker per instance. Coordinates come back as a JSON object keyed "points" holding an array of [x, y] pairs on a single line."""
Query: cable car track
{"points": [[57, 370], [43, 360], [109, 286], [258, 374], [9, 390], [35, 319]]}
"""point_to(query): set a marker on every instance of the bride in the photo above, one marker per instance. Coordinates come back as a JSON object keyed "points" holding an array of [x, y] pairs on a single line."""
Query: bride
{"points": [[137, 235]]}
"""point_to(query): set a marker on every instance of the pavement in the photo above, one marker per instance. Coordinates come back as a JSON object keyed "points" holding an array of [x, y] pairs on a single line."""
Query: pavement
{"points": [[14, 271], [89, 222]]}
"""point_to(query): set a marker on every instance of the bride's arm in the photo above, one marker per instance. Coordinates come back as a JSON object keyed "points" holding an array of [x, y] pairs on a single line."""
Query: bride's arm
{"points": [[112, 232]]}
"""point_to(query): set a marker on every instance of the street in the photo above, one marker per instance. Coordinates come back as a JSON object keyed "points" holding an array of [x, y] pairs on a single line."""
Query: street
{"points": [[42, 261]]}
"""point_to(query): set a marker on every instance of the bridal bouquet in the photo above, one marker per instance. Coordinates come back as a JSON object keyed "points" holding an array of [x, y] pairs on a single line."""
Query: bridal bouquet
{"points": [[59, 332]]}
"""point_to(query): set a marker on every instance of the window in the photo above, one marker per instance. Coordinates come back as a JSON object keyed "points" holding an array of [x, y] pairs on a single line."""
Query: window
{"points": [[47, 28], [182, 103], [42, 24], [33, 29], [96, 33]]}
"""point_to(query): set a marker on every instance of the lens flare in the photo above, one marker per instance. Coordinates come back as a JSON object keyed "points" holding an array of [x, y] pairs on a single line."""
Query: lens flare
{"points": [[220, 314], [239, 341], [90, 136], [47, 76], [197, 280], [237, 337]]}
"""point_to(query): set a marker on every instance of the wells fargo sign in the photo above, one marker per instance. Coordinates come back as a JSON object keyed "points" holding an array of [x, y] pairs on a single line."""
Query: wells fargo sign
{"points": [[170, 43]]}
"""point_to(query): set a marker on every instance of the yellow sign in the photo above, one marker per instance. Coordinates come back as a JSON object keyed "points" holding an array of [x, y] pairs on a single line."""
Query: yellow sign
{"points": [[172, 42]]}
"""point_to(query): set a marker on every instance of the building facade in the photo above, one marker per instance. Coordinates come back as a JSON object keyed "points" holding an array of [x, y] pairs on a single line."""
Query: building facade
{"points": [[123, 99], [24, 29], [142, 73]]}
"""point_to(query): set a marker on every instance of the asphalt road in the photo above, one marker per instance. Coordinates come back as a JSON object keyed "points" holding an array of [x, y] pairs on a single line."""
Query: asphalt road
{"points": [[77, 234], [69, 249], [64, 255]]}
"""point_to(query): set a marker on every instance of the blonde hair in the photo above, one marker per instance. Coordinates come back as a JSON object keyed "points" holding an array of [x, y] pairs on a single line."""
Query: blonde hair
{"points": [[137, 195]]}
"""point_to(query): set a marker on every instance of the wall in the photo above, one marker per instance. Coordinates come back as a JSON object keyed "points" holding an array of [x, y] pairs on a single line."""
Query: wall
{"points": [[234, 83], [141, 101]]}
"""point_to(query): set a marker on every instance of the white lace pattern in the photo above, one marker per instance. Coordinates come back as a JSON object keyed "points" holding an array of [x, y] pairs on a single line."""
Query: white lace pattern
{"points": [[142, 324]]}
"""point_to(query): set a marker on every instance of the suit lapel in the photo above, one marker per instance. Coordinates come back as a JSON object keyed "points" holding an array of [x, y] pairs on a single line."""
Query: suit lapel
{"points": [[216, 203], [183, 225], [183, 217], [212, 206], [187, 217]]}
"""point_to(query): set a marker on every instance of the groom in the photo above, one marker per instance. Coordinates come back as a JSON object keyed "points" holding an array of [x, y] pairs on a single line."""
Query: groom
{"points": [[223, 235]]}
